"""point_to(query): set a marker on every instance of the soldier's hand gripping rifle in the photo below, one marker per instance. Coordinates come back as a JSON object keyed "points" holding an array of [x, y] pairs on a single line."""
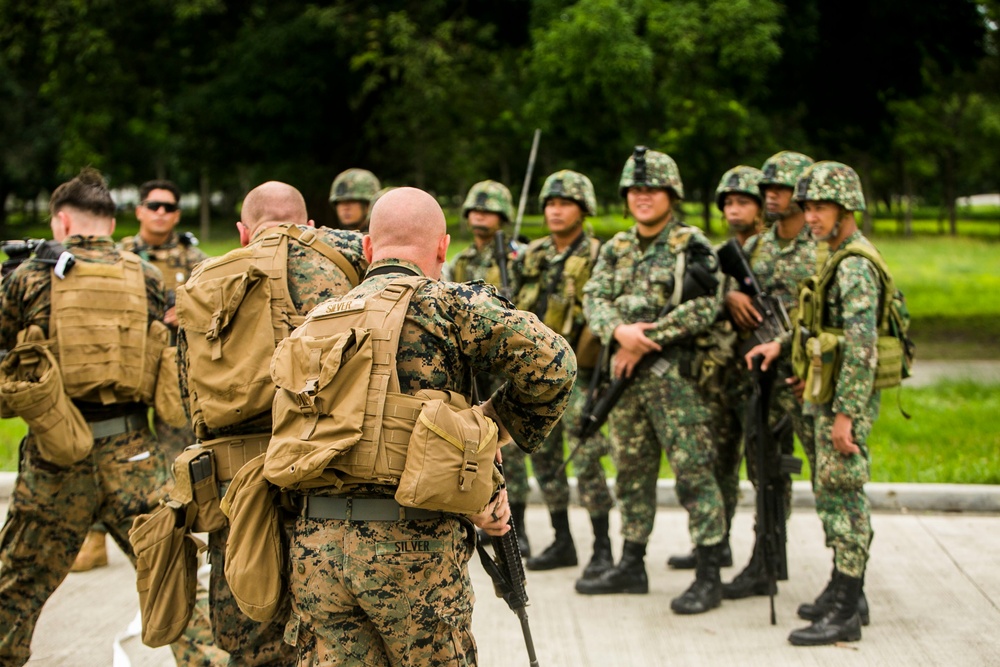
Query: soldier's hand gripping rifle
{"points": [[773, 470], [698, 281], [733, 262], [507, 572]]}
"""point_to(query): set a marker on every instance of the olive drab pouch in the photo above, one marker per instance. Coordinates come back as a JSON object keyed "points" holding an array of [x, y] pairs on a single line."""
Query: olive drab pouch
{"points": [[449, 459], [195, 483], [166, 570], [31, 387], [167, 397], [255, 551], [100, 323], [823, 352], [588, 349]]}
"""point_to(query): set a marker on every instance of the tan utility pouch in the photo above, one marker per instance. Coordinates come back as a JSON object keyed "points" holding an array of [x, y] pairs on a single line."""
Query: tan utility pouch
{"points": [[167, 399], [316, 418], [195, 483], [449, 459], [588, 349], [166, 570], [889, 371], [157, 342], [255, 552], [31, 387], [823, 353]]}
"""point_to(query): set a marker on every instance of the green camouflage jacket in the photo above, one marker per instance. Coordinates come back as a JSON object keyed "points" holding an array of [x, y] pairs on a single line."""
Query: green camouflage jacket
{"points": [[474, 264], [455, 329], [852, 303], [781, 270]]}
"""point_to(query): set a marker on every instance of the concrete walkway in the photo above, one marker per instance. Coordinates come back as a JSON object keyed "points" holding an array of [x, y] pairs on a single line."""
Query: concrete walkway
{"points": [[928, 372], [933, 586]]}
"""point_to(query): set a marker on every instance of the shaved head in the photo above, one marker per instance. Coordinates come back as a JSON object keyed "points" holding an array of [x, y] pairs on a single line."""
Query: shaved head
{"points": [[408, 223], [273, 203]]}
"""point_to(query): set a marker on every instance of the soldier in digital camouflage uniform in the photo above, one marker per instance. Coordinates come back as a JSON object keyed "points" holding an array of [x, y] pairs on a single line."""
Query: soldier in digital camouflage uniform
{"points": [[781, 257], [124, 476], [721, 376], [312, 278], [830, 193], [351, 196], [174, 255], [487, 208], [356, 600], [548, 278], [663, 409]]}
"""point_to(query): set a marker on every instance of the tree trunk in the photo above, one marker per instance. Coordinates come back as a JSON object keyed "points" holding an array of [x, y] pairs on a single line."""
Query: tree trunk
{"points": [[204, 206]]}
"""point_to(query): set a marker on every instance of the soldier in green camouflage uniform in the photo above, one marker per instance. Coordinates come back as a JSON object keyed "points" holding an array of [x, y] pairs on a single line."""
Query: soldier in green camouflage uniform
{"points": [[781, 257], [830, 193], [351, 196], [721, 376], [312, 278], [548, 279], [356, 600], [487, 208], [663, 410], [52, 506]]}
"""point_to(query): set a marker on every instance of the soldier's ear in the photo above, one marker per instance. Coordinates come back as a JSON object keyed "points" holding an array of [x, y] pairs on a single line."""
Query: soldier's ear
{"points": [[311, 223], [442, 252], [366, 247], [244, 233]]}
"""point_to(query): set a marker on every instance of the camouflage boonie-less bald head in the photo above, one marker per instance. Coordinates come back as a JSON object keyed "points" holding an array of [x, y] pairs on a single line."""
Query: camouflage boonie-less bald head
{"points": [[785, 168], [651, 169], [570, 185], [740, 179], [831, 181], [489, 196], [354, 185]]}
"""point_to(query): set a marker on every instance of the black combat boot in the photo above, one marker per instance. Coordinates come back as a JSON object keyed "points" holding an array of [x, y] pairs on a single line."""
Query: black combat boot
{"points": [[751, 581], [705, 592], [562, 552], [841, 622], [517, 515], [816, 610], [689, 561], [601, 560], [629, 576]]}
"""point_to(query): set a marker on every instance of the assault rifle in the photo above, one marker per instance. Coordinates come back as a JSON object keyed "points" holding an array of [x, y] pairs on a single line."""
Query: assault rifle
{"points": [[500, 251], [773, 470], [698, 281], [507, 572], [733, 262], [19, 251]]}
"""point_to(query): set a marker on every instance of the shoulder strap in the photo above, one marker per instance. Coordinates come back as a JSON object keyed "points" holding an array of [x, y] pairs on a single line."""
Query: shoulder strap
{"points": [[872, 255], [680, 249], [595, 249], [312, 240]]}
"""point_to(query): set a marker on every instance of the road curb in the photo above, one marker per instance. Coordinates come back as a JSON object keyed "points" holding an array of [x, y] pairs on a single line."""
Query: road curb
{"points": [[883, 496]]}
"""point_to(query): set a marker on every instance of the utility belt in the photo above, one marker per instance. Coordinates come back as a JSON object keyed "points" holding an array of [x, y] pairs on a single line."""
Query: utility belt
{"points": [[232, 453], [107, 428], [362, 509]]}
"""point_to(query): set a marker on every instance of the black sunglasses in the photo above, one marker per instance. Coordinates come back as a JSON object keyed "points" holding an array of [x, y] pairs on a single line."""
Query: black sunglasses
{"points": [[169, 207]]}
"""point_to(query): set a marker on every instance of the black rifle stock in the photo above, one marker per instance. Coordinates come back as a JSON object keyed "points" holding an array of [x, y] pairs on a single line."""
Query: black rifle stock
{"points": [[698, 281], [507, 572], [773, 470], [733, 262], [500, 254]]}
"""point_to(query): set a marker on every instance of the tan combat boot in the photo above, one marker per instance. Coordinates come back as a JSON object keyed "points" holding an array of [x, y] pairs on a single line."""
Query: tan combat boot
{"points": [[93, 553]]}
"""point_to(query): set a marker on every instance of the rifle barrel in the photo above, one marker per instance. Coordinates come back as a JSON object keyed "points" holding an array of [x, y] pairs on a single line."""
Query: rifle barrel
{"points": [[527, 183]]}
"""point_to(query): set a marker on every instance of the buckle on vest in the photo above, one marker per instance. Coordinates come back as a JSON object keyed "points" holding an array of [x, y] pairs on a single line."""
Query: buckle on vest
{"points": [[470, 466], [307, 398]]}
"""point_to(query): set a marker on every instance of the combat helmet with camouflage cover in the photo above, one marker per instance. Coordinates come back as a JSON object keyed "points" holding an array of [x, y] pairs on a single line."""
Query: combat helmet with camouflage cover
{"points": [[490, 196], [741, 180], [784, 168], [831, 181], [570, 185], [651, 169], [354, 185]]}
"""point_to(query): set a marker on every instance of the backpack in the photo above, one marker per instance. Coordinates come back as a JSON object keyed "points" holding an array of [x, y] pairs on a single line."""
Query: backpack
{"points": [[233, 311], [895, 348]]}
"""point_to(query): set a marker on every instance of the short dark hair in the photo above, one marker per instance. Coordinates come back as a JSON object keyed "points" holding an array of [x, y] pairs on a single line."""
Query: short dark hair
{"points": [[159, 184], [87, 192]]}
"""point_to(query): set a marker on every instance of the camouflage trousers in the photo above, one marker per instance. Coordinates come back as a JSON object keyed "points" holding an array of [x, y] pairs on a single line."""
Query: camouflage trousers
{"points": [[172, 441], [641, 427], [550, 469], [51, 509], [382, 593], [248, 642], [839, 486], [515, 473]]}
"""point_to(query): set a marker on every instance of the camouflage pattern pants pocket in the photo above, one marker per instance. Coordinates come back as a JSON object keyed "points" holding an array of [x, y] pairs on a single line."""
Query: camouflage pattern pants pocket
{"points": [[381, 592]]}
